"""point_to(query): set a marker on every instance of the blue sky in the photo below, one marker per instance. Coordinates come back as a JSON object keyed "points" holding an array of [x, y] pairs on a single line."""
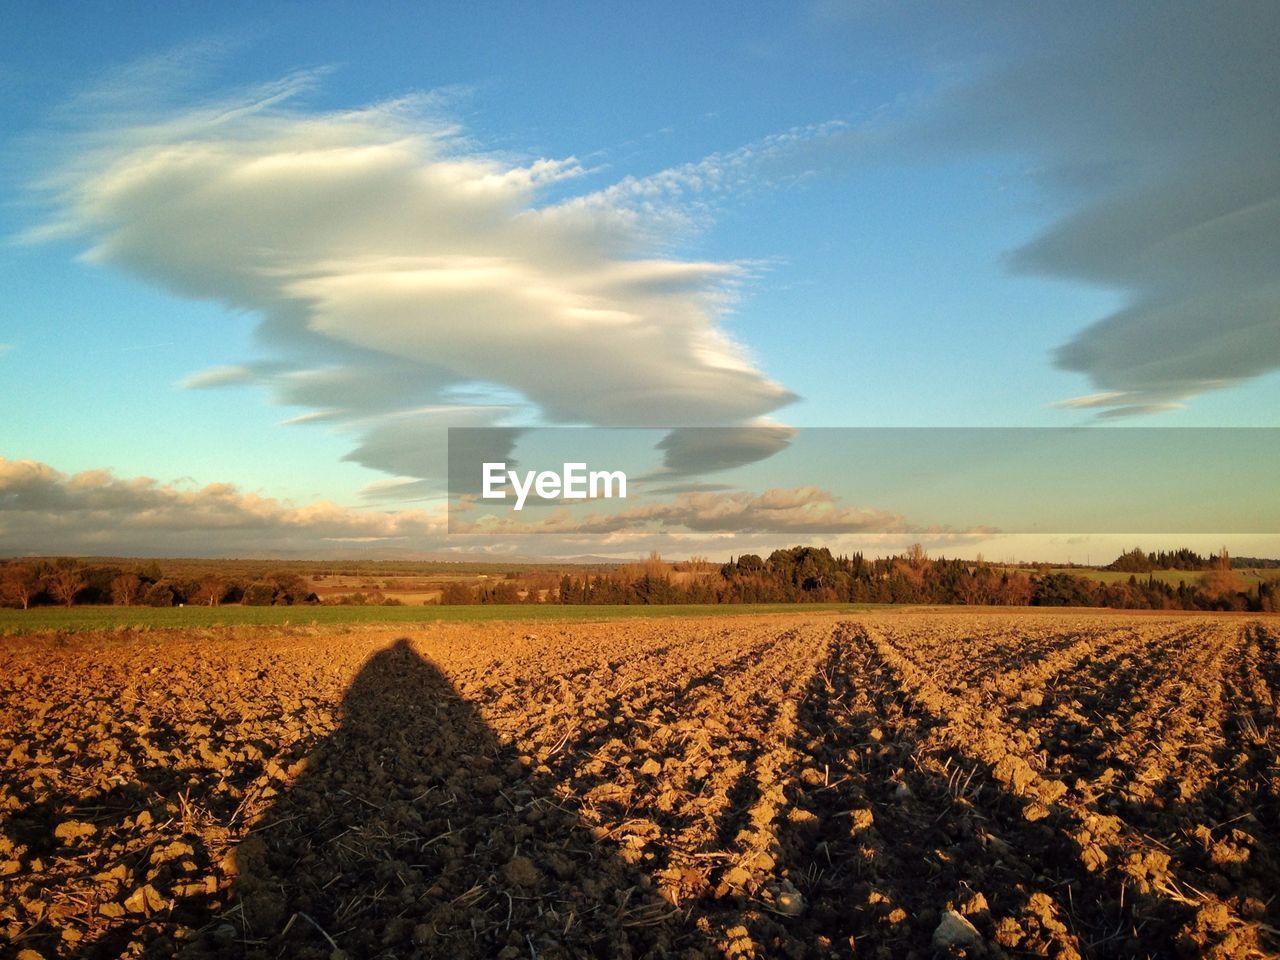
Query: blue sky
{"points": [[817, 214]]}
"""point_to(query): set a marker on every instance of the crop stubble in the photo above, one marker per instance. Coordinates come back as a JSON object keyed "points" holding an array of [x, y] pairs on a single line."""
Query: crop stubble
{"points": [[777, 786]]}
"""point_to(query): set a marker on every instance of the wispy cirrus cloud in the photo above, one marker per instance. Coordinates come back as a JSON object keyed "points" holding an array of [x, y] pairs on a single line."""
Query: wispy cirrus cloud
{"points": [[1118, 404]]}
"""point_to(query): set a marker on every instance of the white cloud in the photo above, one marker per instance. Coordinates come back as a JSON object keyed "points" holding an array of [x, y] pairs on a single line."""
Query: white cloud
{"points": [[393, 263], [46, 512], [1118, 404], [225, 376]]}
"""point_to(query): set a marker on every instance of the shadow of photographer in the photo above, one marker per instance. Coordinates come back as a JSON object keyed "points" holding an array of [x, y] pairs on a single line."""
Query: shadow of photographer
{"points": [[413, 832]]}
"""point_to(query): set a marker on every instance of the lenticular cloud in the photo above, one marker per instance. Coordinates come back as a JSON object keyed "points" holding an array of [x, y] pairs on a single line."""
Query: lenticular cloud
{"points": [[395, 267]]}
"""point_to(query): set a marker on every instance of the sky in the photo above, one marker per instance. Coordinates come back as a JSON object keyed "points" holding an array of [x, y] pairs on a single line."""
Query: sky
{"points": [[258, 258]]}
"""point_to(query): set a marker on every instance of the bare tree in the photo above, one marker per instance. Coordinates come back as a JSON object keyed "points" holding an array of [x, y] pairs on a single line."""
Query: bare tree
{"points": [[653, 565], [211, 591], [1221, 581], [67, 580], [125, 589]]}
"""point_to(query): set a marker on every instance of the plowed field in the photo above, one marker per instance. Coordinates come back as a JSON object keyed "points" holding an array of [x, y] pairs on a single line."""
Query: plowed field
{"points": [[889, 785]]}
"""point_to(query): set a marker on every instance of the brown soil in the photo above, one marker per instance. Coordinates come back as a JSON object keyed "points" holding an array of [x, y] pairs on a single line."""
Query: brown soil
{"points": [[887, 786]]}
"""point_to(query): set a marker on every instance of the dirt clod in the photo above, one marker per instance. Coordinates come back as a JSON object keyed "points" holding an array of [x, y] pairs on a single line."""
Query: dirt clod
{"points": [[801, 786]]}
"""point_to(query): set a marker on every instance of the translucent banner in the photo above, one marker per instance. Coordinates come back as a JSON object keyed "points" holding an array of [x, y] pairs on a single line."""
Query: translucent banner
{"points": [[774, 479]]}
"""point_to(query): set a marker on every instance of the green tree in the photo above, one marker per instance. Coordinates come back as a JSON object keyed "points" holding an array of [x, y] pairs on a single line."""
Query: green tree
{"points": [[158, 594], [456, 593], [260, 593]]}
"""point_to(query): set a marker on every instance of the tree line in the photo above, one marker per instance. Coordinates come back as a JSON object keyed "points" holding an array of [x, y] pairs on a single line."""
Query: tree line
{"points": [[813, 575], [802, 574], [1136, 561], [68, 581]]}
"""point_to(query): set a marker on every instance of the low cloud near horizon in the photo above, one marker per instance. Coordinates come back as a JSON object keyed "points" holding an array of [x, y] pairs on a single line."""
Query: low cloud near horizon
{"points": [[46, 512], [794, 512]]}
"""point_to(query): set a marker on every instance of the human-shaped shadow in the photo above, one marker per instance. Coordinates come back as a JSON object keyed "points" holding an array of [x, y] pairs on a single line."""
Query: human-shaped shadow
{"points": [[413, 832]]}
